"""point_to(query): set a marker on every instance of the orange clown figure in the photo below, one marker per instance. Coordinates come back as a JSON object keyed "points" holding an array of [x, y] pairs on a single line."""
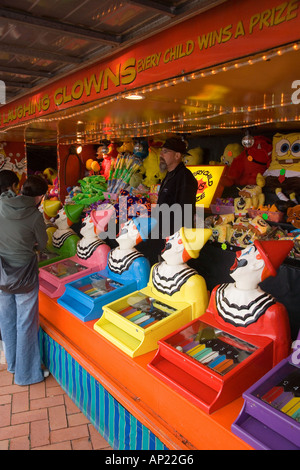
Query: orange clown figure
{"points": [[244, 307], [173, 279]]}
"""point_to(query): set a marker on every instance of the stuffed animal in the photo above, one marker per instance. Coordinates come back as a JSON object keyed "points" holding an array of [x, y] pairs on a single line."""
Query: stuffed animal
{"points": [[127, 146], [53, 190], [251, 196], [195, 157], [293, 216], [142, 150], [150, 167], [50, 174], [231, 151], [92, 166], [246, 166], [283, 174]]}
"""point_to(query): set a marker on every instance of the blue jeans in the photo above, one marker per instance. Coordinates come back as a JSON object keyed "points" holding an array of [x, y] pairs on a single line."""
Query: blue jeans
{"points": [[19, 323]]}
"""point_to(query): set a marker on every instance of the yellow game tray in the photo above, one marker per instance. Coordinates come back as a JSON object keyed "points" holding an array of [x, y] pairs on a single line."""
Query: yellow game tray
{"points": [[137, 321]]}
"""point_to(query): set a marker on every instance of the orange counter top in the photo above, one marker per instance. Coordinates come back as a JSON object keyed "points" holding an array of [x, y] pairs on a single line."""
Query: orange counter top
{"points": [[178, 423]]}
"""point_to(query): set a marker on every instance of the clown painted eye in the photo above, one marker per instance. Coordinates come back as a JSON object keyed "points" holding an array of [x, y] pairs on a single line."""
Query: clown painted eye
{"points": [[282, 147], [296, 148]]}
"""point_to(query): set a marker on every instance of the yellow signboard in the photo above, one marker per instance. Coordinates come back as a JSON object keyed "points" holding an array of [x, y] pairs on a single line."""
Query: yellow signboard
{"points": [[209, 187]]}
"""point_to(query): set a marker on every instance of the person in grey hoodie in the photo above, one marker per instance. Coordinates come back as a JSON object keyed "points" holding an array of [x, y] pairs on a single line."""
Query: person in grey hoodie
{"points": [[23, 231]]}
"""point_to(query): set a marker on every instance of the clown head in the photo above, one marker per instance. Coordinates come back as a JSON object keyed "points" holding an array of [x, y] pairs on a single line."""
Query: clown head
{"points": [[134, 231], [62, 221], [129, 235], [68, 215], [286, 152], [184, 245], [247, 268], [88, 228], [256, 263]]}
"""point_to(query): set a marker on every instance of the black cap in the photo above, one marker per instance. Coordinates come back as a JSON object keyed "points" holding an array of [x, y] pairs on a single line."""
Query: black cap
{"points": [[176, 144]]}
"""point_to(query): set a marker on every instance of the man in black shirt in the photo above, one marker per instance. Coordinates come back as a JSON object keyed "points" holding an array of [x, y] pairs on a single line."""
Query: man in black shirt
{"points": [[176, 204]]}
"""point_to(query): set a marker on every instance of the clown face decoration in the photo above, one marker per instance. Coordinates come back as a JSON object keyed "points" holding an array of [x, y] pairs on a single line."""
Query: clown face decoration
{"points": [[173, 252], [129, 235], [247, 268], [62, 221]]}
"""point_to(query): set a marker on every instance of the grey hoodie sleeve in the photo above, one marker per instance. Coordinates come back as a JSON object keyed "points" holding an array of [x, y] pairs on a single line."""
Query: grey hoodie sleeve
{"points": [[40, 232]]}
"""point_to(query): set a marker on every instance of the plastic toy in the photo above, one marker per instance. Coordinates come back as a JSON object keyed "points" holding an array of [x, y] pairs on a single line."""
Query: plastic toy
{"points": [[127, 270], [252, 161], [243, 307], [91, 190], [283, 175], [175, 294], [91, 256]]}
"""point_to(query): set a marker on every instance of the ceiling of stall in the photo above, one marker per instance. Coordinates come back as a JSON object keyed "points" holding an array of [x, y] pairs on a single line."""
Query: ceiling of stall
{"points": [[218, 101], [41, 40], [253, 91]]}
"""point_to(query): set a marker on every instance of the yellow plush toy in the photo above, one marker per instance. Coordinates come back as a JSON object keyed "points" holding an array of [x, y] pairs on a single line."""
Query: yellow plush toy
{"points": [[283, 174], [251, 196], [150, 166], [127, 146], [230, 152], [195, 157]]}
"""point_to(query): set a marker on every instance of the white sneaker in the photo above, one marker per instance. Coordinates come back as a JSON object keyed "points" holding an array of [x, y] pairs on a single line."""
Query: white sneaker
{"points": [[46, 373]]}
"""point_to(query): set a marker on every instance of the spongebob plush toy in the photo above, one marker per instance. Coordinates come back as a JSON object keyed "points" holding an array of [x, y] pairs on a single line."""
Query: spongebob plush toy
{"points": [[283, 174]]}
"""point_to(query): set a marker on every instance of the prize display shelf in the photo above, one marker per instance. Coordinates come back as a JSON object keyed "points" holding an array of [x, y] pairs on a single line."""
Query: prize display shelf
{"points": [[169, 420]]}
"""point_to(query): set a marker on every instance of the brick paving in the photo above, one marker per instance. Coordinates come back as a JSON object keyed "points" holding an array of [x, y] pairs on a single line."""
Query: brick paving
{"points": [[43, 417]]}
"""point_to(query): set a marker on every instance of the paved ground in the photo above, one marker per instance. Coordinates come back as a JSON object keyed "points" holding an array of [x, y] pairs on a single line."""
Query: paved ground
{"points": [[42, 417]]}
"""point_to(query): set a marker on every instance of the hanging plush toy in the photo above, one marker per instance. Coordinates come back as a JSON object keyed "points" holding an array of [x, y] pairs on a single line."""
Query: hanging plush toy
{"points": [[254, 159], [283, 174]]}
